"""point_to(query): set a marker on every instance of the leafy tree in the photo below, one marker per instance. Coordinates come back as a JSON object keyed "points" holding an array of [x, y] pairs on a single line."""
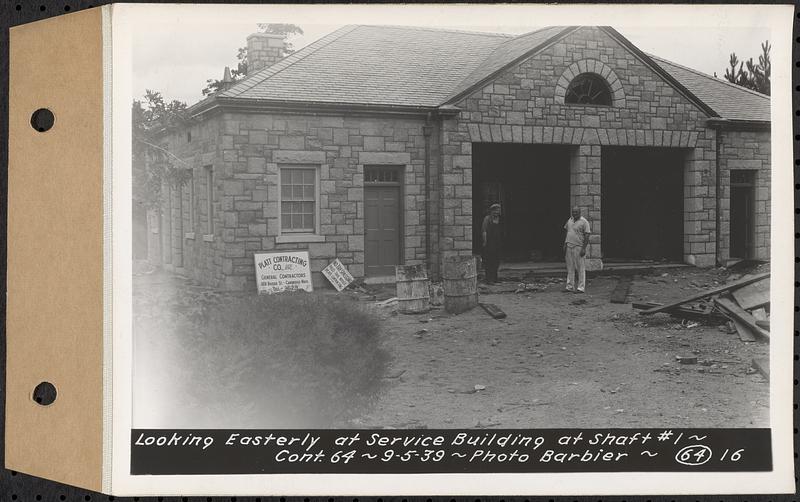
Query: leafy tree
{"points": [[240, 70], [755, 76], [153, 163]]}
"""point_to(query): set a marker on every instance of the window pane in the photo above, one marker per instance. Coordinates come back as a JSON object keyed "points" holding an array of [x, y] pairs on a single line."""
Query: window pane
{"points": [[308, 176], [308, 221], [308, 192], [588, 88], [297, 192], [297, 221], [286, 191]]}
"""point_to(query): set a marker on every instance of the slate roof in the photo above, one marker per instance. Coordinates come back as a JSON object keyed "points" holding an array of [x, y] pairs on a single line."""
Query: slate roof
{"points": [[426, 67], [729, 100], [506, 53], [373, 65]]}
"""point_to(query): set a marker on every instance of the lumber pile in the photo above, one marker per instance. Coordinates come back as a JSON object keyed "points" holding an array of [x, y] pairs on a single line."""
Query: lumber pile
{"points": [[744, 302]]}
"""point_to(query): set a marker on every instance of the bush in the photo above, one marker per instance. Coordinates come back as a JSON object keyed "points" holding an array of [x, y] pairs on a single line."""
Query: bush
{"points": [[286, 360]]}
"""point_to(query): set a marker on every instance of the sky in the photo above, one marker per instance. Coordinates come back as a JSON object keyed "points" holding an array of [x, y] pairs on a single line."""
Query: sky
{"points": [[177, 57]]}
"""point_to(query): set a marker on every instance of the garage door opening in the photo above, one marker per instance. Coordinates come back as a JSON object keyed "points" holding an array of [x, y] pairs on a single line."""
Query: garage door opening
{"points": [[642, 204], [532, 184]]}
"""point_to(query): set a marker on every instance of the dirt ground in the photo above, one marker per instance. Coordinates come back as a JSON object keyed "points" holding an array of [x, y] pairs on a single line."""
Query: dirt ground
{"points": [[558, 359], [568, 360]]}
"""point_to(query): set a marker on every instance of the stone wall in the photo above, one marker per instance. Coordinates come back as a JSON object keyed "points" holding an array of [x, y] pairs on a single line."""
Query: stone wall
{"points": [[189, 247], [525, 104], [746, 150], [255, 146]]}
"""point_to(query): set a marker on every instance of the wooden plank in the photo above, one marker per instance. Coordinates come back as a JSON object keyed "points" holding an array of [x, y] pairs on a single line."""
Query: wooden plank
{"points": [[758, 314], [493, 310], [735, 312], [708, 292], [620, 293], [684, 312], [761, 364], [761, 317], [744, 332], [752, 296]]}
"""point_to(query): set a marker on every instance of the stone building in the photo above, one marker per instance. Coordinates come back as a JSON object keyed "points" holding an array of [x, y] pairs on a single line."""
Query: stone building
{"points": [[385, 145]]}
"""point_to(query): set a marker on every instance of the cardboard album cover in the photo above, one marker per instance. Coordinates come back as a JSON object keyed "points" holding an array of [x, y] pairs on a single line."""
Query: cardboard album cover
{"points": [[402, 250]]}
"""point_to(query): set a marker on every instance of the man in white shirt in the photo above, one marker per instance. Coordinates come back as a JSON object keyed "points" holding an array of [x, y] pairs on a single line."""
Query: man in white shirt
{"points": [[577, 239]]}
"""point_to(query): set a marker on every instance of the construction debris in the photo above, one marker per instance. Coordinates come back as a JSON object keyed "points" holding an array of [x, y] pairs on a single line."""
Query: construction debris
{"points": [[700, 312], [493, 310], [388, 302], [745, 334], [753, 296], [620, 293], [761, 364], [736, 313], [708, 293], [744, 301]]}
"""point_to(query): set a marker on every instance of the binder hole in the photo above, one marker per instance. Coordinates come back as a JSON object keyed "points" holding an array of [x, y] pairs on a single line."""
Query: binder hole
{"points": [[42, 120], [45, 393]]}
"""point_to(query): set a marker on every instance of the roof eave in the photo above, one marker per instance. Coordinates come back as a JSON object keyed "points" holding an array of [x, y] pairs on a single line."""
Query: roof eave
{"points": [[317, 107], [738, 124]]}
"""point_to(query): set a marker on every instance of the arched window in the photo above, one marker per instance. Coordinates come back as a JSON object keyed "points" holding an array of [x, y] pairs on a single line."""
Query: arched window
{"points": [[588, 89]]}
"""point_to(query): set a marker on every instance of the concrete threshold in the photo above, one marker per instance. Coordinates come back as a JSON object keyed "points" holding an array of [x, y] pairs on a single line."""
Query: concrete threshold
{"points": [[380, 279], [519, 271]]}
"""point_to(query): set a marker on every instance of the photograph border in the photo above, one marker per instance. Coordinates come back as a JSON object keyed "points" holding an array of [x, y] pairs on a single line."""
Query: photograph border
{"points": [[455, 484]]}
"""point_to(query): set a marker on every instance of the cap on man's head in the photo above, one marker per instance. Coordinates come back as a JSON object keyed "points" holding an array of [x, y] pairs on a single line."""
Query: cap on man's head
{"points": [[494, 206]]}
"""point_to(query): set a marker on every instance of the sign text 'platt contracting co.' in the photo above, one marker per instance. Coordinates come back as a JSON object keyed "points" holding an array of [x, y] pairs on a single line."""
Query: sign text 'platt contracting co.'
{"points": [[277, 272]]}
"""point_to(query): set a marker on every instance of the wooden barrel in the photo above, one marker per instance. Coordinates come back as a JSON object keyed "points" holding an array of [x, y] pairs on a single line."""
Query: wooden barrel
{"points": [[460, 280], [412, 289]]}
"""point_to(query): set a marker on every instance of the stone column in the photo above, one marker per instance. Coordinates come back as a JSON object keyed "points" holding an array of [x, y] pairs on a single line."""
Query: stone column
{"points": [[700, 205], [585, 192], [455, 208]]}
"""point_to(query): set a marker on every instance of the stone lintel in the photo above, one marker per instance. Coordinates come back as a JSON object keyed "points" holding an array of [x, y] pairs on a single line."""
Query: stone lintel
{"points": [[298, 156], [390, 158]]}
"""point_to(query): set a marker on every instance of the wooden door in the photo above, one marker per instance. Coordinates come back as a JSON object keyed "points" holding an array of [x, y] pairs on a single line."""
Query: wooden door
{"points": [[742, 214], [382, 229]]}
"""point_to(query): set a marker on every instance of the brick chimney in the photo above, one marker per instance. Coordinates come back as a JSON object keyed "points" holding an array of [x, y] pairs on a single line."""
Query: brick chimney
{"points": [[263, 50]]}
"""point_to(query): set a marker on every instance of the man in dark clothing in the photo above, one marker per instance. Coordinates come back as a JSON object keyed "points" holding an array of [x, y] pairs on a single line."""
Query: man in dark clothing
{"points": [[490, 231]]}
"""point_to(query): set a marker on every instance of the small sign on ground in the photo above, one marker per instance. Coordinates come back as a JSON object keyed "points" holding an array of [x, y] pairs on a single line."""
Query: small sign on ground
{"points": [[277, 272], [337, 274]]}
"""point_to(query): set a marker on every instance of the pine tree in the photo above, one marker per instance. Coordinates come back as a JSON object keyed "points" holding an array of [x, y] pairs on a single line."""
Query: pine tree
{"points": [[749, 74]]}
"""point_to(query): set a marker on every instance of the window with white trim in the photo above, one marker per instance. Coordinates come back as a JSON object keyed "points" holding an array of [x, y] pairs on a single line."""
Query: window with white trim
{"points": [[298, 199]]}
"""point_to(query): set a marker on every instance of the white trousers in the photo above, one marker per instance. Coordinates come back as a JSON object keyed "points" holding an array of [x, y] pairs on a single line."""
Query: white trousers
{"points": [[575, 264]]}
